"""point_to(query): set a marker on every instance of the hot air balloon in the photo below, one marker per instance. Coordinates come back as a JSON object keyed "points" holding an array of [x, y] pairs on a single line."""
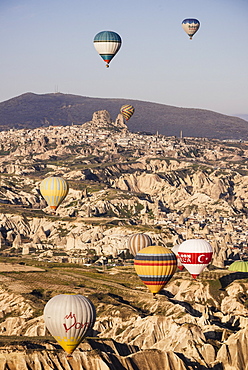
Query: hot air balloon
{"points": [[68, 317], [190, 26], [195, 255], [127, 111], [107, 44], [136, 242], [155, 265], [175, 250], [54, 190], [239, 266]]}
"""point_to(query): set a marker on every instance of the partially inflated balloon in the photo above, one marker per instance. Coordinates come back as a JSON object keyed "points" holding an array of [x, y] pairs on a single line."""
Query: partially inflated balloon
{"points": [[127, 111], [155, 266], [190, 26], [239, 266], [138, 241], [107, 44], [68, 317], [175, 250], [54, 190], [195, 255]]}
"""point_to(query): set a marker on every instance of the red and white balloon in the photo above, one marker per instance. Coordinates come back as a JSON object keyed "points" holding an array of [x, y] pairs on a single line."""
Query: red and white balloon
{"points": [[175, 250], [195, 255]]}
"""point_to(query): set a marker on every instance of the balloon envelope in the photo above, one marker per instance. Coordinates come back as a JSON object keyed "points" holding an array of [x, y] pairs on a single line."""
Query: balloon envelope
{"points": [[138, 241], [54, 190], [155, 266], [190, 26], [68, 317], [107, 44], [195, 255], [175, 250], [239, 266], [127, 111]]}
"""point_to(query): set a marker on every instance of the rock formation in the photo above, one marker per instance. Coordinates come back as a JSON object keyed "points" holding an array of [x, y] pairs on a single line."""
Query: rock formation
{"points": [[122, 183]]}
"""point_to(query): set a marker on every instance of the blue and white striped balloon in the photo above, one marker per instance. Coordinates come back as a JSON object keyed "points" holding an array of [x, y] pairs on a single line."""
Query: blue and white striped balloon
{"points": [[107, 44], [190, 26]]}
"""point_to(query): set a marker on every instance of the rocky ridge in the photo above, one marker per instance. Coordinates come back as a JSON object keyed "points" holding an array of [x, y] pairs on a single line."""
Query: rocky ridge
{"points": [[31, 110]]}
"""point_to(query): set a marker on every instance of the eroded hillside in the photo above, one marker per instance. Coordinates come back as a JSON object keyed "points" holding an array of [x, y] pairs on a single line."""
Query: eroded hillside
{"points": [[121, 183], [191, 324]]}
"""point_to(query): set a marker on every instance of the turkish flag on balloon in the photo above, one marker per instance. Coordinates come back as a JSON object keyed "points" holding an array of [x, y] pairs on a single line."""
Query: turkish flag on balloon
{"points": [[195, 255]]}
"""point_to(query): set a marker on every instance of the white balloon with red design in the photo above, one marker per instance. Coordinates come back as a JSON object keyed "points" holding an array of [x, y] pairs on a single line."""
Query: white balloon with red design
{"points": [[69, 317], [195, 255], [175, 250]]}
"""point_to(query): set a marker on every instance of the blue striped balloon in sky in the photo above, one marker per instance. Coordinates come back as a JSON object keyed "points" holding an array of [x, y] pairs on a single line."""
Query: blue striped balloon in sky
{"points": [[155, 266], [54, 190], [107, 44], [190, 26]]}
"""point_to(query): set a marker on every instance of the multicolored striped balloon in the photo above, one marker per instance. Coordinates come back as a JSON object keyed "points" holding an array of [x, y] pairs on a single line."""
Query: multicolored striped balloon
{"points": [[195, 255], [54, 190], [127, 111], [138, 241], [107, 44], [175, 250], [155, 266], [190, 26]]}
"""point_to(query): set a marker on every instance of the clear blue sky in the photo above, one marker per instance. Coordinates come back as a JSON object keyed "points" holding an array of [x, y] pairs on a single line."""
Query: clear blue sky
{"points": [[45, 44]]}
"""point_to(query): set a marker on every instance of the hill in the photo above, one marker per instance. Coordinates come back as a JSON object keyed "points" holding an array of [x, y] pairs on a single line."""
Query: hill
{"points": [[31, 110]]}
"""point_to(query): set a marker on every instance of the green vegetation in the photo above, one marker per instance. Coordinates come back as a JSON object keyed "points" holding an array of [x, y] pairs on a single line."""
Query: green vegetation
{"points": [[4, 152], [63, 231], [214, 289], [25, 212]]}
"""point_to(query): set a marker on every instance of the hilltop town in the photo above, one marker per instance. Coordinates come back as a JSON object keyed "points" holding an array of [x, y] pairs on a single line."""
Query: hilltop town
{"points": [[171, 188]]}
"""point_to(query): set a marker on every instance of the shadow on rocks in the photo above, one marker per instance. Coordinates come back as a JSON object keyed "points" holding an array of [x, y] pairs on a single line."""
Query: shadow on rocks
{"points": [[111, 346], [196, 366], [188, 308], [228, 279]]}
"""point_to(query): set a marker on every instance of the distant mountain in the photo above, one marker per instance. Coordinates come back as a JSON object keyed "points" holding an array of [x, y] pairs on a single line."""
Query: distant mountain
{"points": [[243, 116], [31, 110]]}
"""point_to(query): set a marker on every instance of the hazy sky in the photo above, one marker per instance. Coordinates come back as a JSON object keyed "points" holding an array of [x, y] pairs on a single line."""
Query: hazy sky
{"points": [[48, 44]]}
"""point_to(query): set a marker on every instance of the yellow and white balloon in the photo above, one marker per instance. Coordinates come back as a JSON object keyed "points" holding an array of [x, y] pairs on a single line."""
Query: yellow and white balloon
{"points": [[69, 317], [54, 190]]}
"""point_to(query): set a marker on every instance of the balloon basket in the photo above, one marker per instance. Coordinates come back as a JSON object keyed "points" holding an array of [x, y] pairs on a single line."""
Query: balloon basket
{"points": [[69, 357]]}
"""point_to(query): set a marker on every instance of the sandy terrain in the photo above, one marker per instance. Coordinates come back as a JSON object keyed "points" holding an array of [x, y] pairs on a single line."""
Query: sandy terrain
{"points": [[9, 267]]}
